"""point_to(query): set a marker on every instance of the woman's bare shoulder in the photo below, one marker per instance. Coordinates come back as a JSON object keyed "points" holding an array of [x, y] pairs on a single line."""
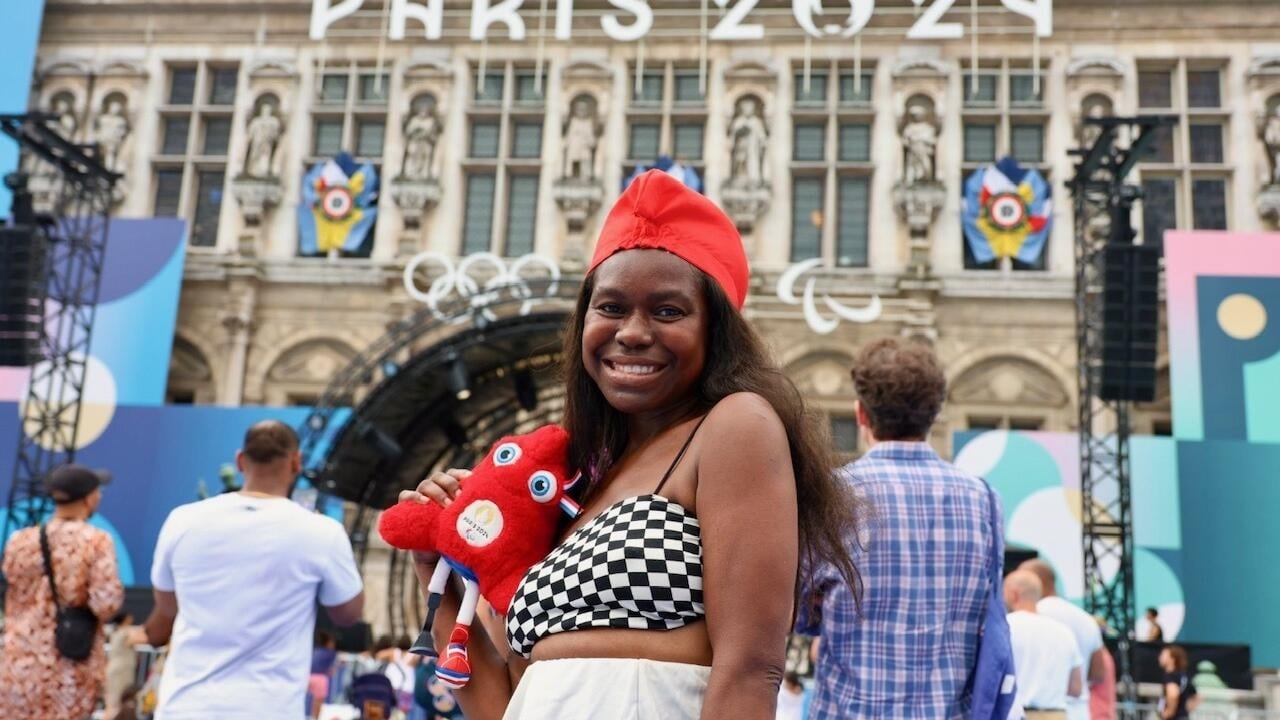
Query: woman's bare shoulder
{"points": [[745, 412]]}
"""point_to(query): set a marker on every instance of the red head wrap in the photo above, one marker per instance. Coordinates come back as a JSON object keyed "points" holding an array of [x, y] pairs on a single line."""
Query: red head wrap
{"points": [[659, 212]]}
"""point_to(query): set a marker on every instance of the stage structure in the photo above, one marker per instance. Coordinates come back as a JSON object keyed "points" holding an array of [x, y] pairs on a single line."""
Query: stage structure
{"points": [[74, 238], [1117, 321], [434, 393]]}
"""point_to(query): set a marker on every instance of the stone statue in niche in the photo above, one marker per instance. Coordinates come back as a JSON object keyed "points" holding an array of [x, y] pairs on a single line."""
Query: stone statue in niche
{"points": [[421, 133], [45, 180], [1094, 106], [264, 135], [1271, 139], [920, 141], [257, 188], [1268, 201], [110, 132], [748, 139], [62, 107], [918, 196], [416, 189], [581, 136]]}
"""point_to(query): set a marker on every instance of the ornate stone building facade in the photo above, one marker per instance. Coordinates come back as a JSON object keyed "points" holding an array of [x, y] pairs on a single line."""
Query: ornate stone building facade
{"points": [[853, 153]]}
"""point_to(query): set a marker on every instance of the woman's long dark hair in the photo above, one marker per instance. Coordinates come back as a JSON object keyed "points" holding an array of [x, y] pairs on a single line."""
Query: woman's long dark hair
{"points": [[736, 361]]}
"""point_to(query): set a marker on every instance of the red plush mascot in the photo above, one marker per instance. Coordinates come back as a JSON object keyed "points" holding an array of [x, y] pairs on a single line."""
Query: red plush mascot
{"points": [[502, 522]]}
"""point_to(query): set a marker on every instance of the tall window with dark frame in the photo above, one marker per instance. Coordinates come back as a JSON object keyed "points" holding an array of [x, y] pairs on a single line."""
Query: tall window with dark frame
{"points": [[195, 133], [1185, 177], [503, 168], [1003, 114], [349, 114], [831, 124], [667, 115]]}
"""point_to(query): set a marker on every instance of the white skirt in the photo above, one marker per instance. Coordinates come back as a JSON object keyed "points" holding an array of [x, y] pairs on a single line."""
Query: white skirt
{"points": [[609, 689]]}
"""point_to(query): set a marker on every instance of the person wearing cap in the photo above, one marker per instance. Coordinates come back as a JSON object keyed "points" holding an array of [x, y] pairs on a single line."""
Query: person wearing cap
{"points": [[35, 680], [706, 483]]}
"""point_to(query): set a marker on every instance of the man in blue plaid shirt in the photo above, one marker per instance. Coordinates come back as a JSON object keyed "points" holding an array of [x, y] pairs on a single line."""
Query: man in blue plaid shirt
{"points": [[910, 650]]}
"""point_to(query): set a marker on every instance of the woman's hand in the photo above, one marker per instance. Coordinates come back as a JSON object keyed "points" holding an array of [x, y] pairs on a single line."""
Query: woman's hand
{"points": [[440, 488]]}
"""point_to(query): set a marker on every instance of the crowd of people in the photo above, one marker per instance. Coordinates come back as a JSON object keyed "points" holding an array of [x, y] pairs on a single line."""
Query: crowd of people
{"points": [[686, 434]]}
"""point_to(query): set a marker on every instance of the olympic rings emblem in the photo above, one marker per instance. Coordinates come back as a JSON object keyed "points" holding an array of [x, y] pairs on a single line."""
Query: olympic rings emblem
{"points": [[458, 279]]}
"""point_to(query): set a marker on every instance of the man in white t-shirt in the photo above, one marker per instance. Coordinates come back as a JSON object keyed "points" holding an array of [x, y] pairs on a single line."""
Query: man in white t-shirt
{"points": [[236, 580], [1045, 658], [1081, 624]]}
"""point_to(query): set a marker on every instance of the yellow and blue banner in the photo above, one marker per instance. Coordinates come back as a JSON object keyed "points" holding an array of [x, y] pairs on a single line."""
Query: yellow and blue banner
{"points": [[1007, 212], [339, 206]]}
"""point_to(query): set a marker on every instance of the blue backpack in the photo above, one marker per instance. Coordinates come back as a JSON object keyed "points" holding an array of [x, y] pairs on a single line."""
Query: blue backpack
{"points": [[994, 683]]}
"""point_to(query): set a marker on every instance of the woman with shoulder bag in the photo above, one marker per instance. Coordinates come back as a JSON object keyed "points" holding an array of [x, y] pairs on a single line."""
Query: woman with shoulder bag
{"points": [[63, 586]]}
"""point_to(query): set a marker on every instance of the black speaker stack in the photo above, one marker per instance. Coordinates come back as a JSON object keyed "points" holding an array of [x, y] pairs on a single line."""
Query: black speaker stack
{"points": [[23, 261], [1130, 322]]}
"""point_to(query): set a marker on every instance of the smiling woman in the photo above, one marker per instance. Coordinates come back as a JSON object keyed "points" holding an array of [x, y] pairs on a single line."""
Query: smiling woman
{"points": [[708, 488]]}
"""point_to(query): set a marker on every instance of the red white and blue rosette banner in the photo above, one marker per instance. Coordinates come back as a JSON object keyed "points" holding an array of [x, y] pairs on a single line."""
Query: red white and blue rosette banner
{"points": [[1007, 213]]}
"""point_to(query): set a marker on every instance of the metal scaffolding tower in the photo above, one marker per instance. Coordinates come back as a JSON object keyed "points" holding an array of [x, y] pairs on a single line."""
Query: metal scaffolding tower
{"points": [[1103, 204], [75, 234]]}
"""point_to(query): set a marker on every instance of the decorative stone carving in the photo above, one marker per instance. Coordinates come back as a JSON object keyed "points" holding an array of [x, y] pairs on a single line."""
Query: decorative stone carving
{"points": [[578, 192], [264, 133], [63, 107], [111, 129], [1008, 381], [1096, 66], [1269, 204], [920, 142], [415, 198], [45, 180], [578, 199], [421, 133], [581, 136], [256, 196], [823, 374], [416, 190], [748, 137], [1268, 201], [746, 194], [313, 361], [1270, 134], [919, 197], [1096, 105], [258, 188]]}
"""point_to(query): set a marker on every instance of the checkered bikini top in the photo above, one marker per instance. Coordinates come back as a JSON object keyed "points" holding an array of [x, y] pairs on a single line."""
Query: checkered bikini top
{"points": [[636, 565]]}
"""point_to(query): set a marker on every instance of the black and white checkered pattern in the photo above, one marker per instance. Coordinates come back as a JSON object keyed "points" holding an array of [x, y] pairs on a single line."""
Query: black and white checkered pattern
{"points": [[637, 565]]}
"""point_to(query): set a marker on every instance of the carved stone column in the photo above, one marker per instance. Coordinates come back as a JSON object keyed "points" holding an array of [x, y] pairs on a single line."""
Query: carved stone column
{"points": [[238, 323]]}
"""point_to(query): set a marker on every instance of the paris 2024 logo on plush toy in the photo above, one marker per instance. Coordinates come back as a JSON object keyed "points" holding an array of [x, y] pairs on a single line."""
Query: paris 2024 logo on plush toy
{"points": [[502, 522]]}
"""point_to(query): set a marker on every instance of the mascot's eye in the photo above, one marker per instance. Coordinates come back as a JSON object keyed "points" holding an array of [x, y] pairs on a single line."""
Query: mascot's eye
{"points": [[506, 454], [542, 486]]}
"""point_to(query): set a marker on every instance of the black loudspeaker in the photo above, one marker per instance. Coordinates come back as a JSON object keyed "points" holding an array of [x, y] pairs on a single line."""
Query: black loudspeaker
{"points": [[1130, 322], [23, 259]]}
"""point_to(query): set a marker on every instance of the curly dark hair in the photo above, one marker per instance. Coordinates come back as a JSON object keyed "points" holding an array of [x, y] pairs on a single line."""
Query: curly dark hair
{"points": [[736, 361], [901, 387]]}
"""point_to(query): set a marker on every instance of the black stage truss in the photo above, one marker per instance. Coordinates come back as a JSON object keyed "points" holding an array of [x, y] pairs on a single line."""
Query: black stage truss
{"points": [[1103, 206], [435, 392], [75, 232]]}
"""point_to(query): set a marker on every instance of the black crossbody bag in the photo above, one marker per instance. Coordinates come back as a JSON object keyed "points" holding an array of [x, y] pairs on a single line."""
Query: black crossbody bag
{"points": [[77, 627]]}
